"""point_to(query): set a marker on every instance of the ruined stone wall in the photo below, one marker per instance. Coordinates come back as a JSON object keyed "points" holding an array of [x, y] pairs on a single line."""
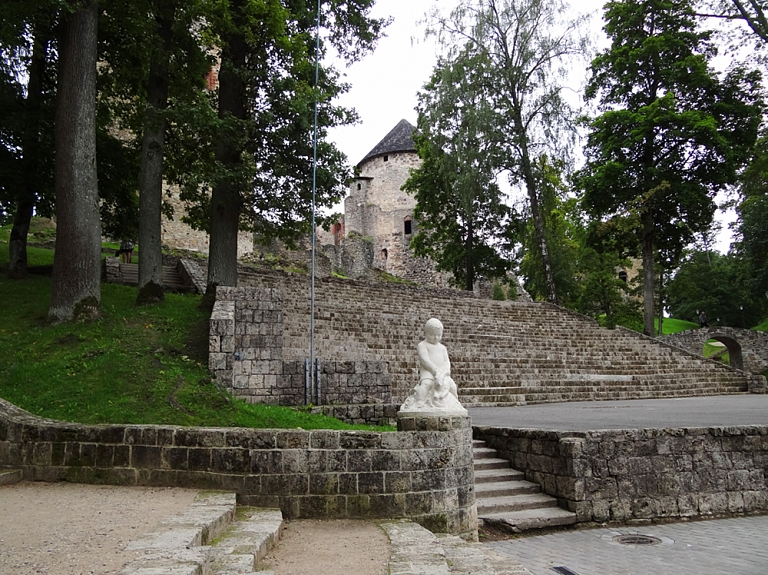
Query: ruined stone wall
{"points": [[422, 473], [178, 235], [643, 474]]}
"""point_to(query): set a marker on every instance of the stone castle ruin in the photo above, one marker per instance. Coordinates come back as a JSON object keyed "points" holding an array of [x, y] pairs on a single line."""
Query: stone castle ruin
{"points": [[380, 213]]}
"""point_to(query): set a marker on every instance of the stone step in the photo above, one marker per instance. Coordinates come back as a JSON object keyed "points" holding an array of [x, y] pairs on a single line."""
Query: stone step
{"points": [[494, 475], [10, 476], [506, 504], [418, 551], [491, 463], [247, 541], [483, 453], [498, 490], [527, 519]]}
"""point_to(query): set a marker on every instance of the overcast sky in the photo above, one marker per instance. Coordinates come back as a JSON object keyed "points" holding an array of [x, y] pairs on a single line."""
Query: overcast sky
{"points": [[385, 83]]}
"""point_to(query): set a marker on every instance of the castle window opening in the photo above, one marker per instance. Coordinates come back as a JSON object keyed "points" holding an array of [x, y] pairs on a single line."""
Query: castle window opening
{"points": [[623, 276], [359, 186], [386, 158], [384, 254], [407, 228]]}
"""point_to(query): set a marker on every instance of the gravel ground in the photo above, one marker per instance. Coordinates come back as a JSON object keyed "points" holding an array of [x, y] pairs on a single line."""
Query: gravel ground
{"points": [[318, 547], [74, 529]]}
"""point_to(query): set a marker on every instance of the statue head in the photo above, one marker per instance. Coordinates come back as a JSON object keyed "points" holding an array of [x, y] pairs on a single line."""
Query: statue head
{"points": [[433, 329]]}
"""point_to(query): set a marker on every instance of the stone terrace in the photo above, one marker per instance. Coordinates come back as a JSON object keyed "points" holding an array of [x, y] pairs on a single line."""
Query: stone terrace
{"points": [[503, 353]]}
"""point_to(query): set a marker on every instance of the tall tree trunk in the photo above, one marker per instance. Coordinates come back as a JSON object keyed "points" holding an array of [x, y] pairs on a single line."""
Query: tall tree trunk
{"points": [[76, 286], [469, 283], [151, 172], [225, 200], [538, 222], [25, 204], [648, 253], [661, 304]]}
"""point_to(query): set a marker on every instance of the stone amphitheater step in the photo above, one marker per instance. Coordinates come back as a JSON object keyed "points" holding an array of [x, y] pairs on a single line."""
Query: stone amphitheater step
{"points": [[171, 278], [502, 353], [504, 499]]}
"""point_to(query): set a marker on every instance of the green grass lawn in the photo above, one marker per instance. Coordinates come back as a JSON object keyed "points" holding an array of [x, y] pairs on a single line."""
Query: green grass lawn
{"points": [[127, 367]]}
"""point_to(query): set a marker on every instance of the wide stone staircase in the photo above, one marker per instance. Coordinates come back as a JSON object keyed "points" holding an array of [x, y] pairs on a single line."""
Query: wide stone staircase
{"points": [[506, 500], [502, 353]]}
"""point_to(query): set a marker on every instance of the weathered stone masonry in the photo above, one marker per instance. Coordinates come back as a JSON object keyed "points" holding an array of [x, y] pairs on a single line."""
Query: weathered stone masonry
{"points": [[423, 472], [628, 475], [748, 348], [246, 357]]}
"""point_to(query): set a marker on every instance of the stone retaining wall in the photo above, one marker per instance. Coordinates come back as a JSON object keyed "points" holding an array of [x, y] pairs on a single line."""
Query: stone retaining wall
{"points": [[423, 472], [629, 475], [246, 356]]}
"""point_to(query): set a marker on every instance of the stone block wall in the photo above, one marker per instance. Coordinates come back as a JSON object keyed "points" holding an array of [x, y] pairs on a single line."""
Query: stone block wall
{"points": [[423, 473], [636, 475], [246, 357], [748, 348]]}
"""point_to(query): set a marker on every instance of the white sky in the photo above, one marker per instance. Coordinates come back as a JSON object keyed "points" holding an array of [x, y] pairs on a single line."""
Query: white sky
{"points": [[385, 83]]}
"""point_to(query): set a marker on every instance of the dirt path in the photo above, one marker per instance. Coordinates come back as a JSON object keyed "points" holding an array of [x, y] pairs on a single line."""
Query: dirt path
{"points": [[316, 547], [73, 529]]}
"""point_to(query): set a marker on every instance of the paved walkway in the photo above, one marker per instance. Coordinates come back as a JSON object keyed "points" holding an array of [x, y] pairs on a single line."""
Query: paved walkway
{"points": [[736, 546], [713, 411]]}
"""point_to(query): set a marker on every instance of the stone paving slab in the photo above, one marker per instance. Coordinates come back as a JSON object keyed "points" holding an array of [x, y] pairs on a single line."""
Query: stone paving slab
{"points": [[417, 551], [709, 411], [735, 546]]}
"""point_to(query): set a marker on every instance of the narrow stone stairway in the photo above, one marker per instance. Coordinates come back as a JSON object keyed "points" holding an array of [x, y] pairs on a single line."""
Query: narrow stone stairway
{"points": [[506, 500]]}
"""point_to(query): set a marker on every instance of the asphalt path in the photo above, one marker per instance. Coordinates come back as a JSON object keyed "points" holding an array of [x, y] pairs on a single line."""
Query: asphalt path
{"points": [[711, 411]]}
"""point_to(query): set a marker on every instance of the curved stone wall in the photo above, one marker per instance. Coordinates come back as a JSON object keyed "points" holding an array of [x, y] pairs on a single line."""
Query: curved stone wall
{"points": [[424, 473]]}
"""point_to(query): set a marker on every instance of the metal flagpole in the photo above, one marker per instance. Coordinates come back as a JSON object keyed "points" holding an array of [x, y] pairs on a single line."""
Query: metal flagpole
{"points": [[314, 190]]}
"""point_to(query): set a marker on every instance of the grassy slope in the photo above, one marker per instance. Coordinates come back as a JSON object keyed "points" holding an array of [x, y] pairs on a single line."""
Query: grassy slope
{"points": [[123, 368]]}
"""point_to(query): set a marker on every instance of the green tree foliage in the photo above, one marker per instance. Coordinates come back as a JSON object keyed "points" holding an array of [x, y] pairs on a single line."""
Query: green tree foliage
{"points": [[716, 284], [562, 230], [519, 50], [255, 172], [27, 92], [671, 133], [463, 220], [752, 227]]}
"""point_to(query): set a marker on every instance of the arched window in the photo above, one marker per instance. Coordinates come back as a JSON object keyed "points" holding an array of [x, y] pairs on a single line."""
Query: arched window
{"points": [[623, 276], [359, 186], [384, 254], [407, 227]]}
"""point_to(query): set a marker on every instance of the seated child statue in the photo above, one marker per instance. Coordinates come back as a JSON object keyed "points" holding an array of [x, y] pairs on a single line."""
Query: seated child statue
{"points": [[436, 390]]}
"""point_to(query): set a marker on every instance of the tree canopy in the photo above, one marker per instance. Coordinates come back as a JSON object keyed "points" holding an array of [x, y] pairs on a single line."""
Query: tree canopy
{"points": [[519, 51], [671, 133]]}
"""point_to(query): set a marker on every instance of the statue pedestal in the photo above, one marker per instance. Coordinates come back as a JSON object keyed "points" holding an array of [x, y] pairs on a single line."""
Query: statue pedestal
{"points": [[443, 473], [432, 420]]}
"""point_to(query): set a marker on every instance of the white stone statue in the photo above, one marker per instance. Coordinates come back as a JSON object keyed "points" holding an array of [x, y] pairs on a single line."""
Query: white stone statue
{"points": [[436, 391]]}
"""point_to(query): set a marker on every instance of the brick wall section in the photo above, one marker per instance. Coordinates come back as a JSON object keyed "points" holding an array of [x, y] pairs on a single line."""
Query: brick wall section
{"points": [[645, 474], [423, 472]]}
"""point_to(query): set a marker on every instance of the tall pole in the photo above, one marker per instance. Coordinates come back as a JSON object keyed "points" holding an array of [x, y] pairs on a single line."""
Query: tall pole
{"points": [[314, 191]]}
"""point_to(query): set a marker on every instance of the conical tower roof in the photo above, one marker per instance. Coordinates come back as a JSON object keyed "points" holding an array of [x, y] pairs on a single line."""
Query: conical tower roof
{"points": [[399, 139]]}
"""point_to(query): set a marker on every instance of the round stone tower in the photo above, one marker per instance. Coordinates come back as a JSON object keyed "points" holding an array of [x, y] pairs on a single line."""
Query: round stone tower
{"points": [[376, 208]]}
